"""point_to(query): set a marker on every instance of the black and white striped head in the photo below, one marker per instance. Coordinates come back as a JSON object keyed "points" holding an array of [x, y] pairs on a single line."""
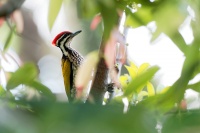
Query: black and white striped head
{"points": [[64, 39]]}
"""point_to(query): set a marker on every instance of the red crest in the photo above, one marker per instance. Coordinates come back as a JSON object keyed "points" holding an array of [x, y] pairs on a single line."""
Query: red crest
{"points": [[58, 36]]}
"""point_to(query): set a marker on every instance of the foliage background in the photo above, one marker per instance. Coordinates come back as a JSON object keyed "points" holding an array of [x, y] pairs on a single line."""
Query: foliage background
{"points": [[28, 105]]}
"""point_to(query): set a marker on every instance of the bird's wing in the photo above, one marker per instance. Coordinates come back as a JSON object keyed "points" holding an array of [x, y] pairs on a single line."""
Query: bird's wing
{"points": [[67, 75]]}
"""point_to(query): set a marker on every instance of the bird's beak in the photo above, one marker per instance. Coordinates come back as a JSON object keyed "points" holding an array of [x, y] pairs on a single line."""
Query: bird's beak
{"points": [[75, 33]]}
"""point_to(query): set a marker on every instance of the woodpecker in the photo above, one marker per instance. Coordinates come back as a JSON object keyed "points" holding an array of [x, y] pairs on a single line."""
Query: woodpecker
{"points": [[70, 61]]}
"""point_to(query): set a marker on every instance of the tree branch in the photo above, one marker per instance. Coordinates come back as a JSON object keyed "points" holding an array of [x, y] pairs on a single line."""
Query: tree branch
{"points": [[100, 82]]}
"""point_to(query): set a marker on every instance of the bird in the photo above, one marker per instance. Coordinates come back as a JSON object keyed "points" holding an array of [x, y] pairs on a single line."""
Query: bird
{"points": [[70, 62]]}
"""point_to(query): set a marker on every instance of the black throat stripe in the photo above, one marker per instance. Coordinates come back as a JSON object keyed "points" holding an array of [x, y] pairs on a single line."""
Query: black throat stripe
{"points": [[61, 44]]}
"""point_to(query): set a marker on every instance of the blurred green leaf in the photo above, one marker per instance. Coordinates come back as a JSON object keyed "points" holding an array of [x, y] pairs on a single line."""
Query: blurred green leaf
{"points": [[195, 87], [124, 80], [140, 80], [110, 16], [42, 88], [109, 119], [2, 91], [143, 68], [194, 4], [5, 129], [150, 89], [140, 18], [146, 3], [164, 90], [141, 95], [177, 90], [18, 120], [175, 94], [60, 117], [179, 41], [132, 71], [184, 122], [6, 94], [169, 16], [24, 75], [88, 8], [8, 40], [54, 8], [191, 61], [107, 9]]}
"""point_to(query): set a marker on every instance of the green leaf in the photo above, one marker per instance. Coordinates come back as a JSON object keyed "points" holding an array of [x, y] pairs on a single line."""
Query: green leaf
{"points": [[124, 79], [169, 16], [141, 95], [140, 80], [140, 18], [177, 90], [108, 10], [179, 41], [143, 67], [146, 3], [195, 87], [164, 90], [87, 8], [109, 16], [2, 91], [8, 40], [132, 71], [191, 61], [59, 114], [150, 89], [42, 88], [54, 8], [5, 93], [183, 122], [133, 65], [24, 75]]}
